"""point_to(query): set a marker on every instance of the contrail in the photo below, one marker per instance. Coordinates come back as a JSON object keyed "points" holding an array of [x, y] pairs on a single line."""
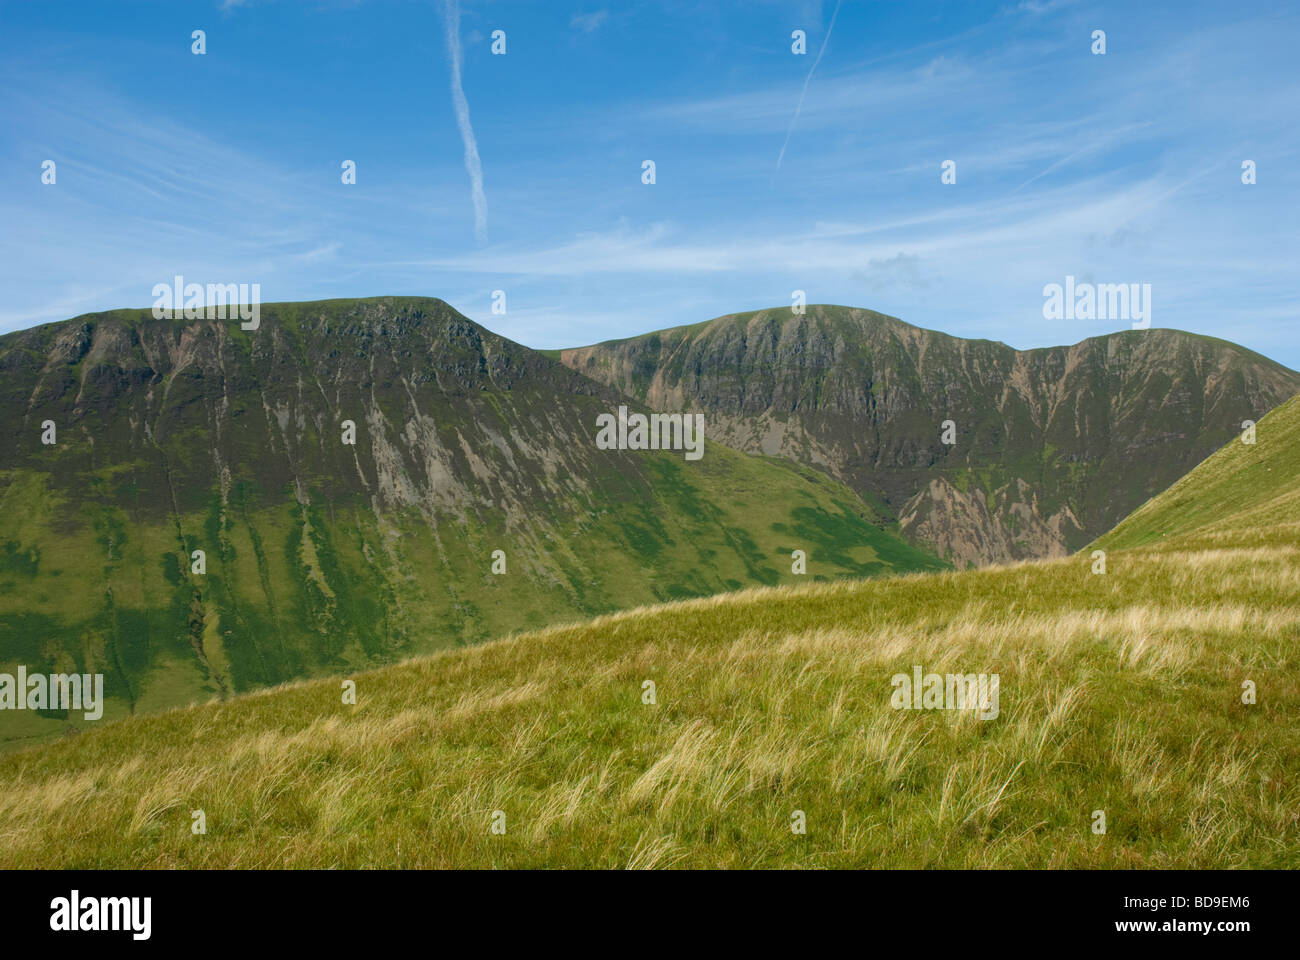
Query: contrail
{"points": [[795, 118], [473, 166]]}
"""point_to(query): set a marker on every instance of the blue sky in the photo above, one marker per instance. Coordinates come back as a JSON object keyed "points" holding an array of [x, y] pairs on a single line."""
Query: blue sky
{"points": [[226, 167]]}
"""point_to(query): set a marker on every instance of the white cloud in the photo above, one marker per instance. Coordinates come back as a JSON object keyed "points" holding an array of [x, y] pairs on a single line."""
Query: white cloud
{"points": [[587, 22], [804, 92], [473, 165]]}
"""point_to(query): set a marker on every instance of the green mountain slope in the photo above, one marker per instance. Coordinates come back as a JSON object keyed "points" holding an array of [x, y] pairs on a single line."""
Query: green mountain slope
{"points": [[1251, 487], [1122, 706], [182, 436], [1053, 447]]}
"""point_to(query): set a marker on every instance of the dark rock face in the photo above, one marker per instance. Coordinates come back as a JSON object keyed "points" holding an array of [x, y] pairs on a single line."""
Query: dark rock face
{"points": [[1053, 446], [212, 404]]}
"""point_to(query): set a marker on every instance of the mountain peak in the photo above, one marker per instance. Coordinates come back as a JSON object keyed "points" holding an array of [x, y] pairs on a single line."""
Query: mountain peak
{"points": [[1051, 446]]}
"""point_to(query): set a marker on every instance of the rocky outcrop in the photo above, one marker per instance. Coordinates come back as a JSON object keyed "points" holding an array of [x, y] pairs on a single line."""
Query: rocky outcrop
{"points": [[972, 528]]}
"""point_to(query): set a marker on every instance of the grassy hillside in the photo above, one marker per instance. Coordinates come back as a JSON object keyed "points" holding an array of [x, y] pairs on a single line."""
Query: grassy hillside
{"points": [[1120, 692], [1244, 487], [324, 557]]}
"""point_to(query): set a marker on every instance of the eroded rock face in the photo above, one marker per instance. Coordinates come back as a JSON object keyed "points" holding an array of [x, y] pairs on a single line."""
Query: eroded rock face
{"points": [[973, 528], [1054, 446], [414, 375]]}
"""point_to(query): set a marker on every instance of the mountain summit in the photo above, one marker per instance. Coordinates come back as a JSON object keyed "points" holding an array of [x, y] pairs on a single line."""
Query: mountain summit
{"points": [[1052, 448]]}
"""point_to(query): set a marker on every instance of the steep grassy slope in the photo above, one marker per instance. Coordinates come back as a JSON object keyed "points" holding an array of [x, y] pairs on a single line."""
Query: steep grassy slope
{"points": [[1244, 487], [177, 436], [1120, 692], [1053, 446]]}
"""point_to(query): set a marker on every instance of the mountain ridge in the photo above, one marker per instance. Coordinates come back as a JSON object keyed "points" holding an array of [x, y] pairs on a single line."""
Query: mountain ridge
{"points": [[863, 396]]}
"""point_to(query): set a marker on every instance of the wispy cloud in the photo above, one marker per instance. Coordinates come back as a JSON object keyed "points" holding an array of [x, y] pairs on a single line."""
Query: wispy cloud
{"points": [[587, 22], [130, 210], [473, 165], [1042, 6], [804, 92]]}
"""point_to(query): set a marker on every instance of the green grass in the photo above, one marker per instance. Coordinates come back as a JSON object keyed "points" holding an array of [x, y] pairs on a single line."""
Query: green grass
{"points": [[1119, 693], [323, 557], [292, 593], [1244, 487]]}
